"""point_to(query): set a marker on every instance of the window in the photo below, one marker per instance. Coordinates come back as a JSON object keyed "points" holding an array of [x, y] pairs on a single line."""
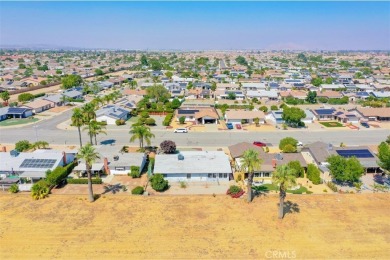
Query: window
{"points": [[164, 175], [214, 175], [220, 175], [266, 174], [225, 175], [189, 176], [119, 168], [210, 175]]}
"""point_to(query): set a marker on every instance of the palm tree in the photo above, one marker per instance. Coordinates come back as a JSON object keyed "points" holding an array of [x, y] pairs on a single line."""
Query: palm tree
{"points": [[78, 120], [133, 84], [40, 144], [250, 162], [89, 112], [142, 133], [94, 128], [107, 98], [89, 155], [285, 177]]}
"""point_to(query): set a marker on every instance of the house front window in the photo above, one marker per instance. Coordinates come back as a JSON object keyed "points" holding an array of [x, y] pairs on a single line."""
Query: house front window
{"points": [[189, 176], [119, 168]]}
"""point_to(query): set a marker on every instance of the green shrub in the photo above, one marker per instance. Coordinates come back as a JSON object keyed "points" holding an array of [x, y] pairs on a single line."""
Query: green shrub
{"points": [[144, 114], [150, 121], [24, 97], [14, 188], [138, 190], [158, 183], [234, 189], [332, 186], [39, 95], [313, 174], [168, 119], [84, 181], [274, 107], [58, 174], [135, 172], [23, 145], [297, 168], [120, 122], [183, 184], [182, 119], [40, 190], [325, 190]]}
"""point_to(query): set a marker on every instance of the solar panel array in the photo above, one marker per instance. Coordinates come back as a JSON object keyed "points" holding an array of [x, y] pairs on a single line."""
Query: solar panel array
{"points": [[324, 111], [16, 110], [38, 163], [362, 153]]}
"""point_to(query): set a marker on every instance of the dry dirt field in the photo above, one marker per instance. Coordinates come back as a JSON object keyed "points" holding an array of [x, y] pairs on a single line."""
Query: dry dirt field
{"points": [[194, 227]]}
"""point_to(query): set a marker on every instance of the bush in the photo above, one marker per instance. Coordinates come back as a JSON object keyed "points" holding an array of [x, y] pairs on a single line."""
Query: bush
{"points": [[168, 146], [40, 190], [325, 190], [298, 169], [182, 119], [23, 145], [168, 119], [183, 184], [134, 172], [313, 174], [288, 145], [14, 188], [59, 174], [138, 190], [24, 97], [150, 121], [39, 95], [144, 114], [84, 181], [263, 108], [332, 186], [274, 107], [158, 183], [120, 122], [235, 191]]}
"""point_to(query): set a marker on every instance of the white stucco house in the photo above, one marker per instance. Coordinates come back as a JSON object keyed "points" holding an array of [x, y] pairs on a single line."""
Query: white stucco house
{"points": [[110, 114], [194, 166]]}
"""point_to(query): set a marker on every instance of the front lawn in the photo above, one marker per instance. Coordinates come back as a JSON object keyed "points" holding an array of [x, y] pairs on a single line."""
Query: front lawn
{"points": [[270, 187], [332, 124], [21, 121]]}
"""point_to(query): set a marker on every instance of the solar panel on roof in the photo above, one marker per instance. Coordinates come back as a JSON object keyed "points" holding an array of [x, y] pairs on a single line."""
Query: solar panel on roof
{"points": [[187, 111], [359, 153], [16, 110], [324, 111], [38, 163]]}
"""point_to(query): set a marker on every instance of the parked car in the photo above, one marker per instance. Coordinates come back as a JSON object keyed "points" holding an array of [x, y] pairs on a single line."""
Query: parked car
{"points": [[261, 144], [238, 126], [299, 143], [364, 124], [229, 126], [181, 130]]}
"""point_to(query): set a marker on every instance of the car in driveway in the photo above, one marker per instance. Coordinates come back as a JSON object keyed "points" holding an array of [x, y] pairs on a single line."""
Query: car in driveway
{"points": [[260, 144], [181, 130], [364, 124], [229, 126]]}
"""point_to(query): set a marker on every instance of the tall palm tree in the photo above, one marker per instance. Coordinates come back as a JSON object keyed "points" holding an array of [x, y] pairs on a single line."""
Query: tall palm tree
{"points": [[285, 178], [89, 155], [89, 112], [250, 162], [94, 128], [107, 98], [142, 133], [133, 84], [78, 120]]}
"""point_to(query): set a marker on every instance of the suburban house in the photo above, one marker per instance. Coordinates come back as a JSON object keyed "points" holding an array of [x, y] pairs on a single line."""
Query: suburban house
{"points": [[119, 163], [275, 117], [73, 94], [324, 114], [244, 116], [39, 105], [56, 100], [105, 84], [19, 112], [253, 86], [32, 165], [345, 116], [194, 166], [329, 94], [198, 115], [320, 151], [331, 87], [225, 94], [3, 113], [110, 114], [263, 94], [374, 114], [299, 94]]}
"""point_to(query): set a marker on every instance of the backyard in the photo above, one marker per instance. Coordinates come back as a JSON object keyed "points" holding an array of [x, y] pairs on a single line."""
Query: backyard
{"points": [[156, 227]]}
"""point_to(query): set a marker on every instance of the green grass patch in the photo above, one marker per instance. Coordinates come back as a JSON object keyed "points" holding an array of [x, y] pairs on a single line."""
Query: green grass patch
{"points": [[21, 121], [271, 187], [332, 124]]}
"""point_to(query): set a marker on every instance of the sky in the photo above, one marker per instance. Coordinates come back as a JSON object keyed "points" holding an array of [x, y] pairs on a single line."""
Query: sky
{"points": [[198, 25]]}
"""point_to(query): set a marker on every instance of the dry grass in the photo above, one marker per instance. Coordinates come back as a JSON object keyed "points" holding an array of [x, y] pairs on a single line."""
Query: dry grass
{"points": [[123, 227]]}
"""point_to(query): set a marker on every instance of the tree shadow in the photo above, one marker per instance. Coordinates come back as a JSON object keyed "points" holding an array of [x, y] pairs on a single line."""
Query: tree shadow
{"points": [[290, 208], [112, 188], [378, 178], [259, 191]]}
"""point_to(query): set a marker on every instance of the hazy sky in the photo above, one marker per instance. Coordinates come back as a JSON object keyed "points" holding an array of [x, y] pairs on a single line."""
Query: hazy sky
{"points": [[198, 25]]}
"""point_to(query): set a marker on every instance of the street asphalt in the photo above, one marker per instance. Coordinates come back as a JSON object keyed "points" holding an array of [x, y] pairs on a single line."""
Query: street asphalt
{"points": [[47, 130]]}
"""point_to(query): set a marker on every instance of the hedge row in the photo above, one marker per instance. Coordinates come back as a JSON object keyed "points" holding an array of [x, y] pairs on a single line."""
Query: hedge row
{"points": [[58, 174], [168, 119], [84, 181]]}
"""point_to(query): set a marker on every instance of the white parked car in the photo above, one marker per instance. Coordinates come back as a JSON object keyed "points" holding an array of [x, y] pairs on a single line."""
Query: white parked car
{"points": [[181, 130]]}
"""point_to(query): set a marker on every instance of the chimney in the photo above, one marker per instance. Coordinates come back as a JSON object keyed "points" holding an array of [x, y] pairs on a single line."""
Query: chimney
{"points": [[4, 149], [274, 163], [64, 158], [106, 169]]}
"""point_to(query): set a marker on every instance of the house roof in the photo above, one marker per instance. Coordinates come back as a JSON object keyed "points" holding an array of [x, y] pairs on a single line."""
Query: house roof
{"points": [[38, 103], [374, 112], [329, 94], [113, 112], [193, 162], [237, 150], [244, 114]]}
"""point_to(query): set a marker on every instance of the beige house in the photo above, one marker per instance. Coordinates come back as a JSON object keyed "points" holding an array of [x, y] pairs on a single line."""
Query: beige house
{"points": [[239, 116]]}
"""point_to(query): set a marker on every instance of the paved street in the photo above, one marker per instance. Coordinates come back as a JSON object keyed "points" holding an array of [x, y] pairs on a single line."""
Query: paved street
{"points": [[48, 131]]}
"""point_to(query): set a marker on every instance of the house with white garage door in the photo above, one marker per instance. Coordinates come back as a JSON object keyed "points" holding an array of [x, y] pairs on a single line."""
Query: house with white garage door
{"points": [[244, 116], [194, 166]]}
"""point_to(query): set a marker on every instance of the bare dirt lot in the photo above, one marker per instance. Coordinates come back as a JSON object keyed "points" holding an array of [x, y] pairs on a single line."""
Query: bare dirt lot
{"points": [[195, 227]]}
